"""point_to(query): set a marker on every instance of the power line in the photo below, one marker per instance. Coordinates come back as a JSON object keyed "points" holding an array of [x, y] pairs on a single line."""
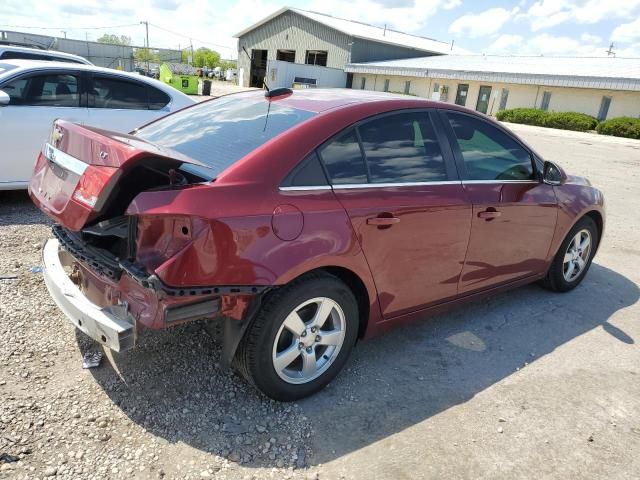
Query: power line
{"points": [[71, 28], [190, 37]]}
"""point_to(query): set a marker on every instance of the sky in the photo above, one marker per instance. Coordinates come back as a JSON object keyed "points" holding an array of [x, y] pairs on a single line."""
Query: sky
{"points": [[525, 27]]}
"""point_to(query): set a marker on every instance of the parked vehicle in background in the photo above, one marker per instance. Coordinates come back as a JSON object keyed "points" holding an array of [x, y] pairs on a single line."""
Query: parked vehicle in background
{"points": [[231, 75], [15, 52], [35, 93], [302, 221]]}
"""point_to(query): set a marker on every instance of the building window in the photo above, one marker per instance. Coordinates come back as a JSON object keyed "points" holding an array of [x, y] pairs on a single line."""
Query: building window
{"points": [[316, 57], [363, 83], [503, 99], [286, 55], [407, 87], [604, 108], [546, 98], [386, 85]]}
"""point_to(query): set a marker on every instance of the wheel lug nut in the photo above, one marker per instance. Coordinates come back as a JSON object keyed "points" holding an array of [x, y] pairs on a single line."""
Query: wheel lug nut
{"points": [[309, 349], [318, 338], [313, 329], [300, 346], [304, 334]]}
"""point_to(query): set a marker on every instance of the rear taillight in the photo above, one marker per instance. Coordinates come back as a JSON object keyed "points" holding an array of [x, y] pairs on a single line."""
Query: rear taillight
{"points": [[93, 182]]}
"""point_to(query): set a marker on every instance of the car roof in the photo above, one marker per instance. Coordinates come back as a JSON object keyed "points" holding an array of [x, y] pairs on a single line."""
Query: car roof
{"points": [[322, 99], [37, 51], [22, 66]]}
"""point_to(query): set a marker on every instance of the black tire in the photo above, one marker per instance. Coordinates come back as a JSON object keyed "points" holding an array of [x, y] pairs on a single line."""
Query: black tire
{"points": [[253, 359], [555, 279]]}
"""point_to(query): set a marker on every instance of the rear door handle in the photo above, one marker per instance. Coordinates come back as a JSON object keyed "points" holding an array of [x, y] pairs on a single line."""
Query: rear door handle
{"points": [[489, 214], [382, 221]]}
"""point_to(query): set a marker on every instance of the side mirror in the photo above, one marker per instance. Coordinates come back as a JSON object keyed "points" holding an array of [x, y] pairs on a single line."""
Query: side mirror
{"points": [[552, 174], [4, 98]]}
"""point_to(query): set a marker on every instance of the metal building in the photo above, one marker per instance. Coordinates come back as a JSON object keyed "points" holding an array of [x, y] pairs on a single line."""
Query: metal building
{"points": [[100, 54], [604, 87], [309, 38]]}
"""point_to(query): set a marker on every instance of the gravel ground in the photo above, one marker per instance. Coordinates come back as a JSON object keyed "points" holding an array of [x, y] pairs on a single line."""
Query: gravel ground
{"points": [[526, 384]]}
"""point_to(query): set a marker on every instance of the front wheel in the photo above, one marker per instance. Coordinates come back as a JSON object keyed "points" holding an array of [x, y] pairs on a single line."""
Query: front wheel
{"points": [[301, 338], [571, 263]]}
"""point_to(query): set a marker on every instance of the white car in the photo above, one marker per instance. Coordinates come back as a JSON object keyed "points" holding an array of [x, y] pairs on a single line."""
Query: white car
{"points": [[35, 93], [16, 52]]}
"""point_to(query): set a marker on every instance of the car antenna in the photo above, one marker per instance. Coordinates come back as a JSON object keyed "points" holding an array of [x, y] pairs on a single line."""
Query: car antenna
{"points": [[264, 80]]}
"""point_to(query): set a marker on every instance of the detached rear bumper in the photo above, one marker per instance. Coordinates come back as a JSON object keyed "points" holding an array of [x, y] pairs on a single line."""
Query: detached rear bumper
{"points": [[112, 326]]}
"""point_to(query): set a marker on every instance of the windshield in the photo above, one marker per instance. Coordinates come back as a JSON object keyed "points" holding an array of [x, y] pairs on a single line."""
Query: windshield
{"points": [[220, 132]]}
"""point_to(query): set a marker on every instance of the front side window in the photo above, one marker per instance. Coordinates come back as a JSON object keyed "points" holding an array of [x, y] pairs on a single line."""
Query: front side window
{"points": [[220, 132], [54, 90], [109, 92], [402, 148], [489, 153], [343, 160]]}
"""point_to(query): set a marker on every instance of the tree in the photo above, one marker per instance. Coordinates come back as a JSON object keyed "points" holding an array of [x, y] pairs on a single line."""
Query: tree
{"points": [[205, 57], [146, 55], [114, 39]]}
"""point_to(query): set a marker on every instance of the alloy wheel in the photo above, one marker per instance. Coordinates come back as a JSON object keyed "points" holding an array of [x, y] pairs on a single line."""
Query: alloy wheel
{"points": [[577, 255], [309, 340]]}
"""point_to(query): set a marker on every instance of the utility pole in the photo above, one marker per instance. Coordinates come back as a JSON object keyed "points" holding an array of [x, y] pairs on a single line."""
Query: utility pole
{"points": [[146, 25], [64, 32]]}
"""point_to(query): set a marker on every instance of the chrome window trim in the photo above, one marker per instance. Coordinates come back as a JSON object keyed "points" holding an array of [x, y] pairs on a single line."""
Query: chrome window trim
{"points": [[64, 160], [465, 182], [350, 186], [302, 189]]}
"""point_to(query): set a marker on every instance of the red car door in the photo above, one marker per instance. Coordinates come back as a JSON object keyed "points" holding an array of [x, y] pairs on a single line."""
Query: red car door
{"points": [[514, 214], [406, 204]]}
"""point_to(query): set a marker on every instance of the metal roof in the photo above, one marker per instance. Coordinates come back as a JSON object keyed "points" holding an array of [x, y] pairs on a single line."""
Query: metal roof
{"points": [[365, 31], [581, 72]]}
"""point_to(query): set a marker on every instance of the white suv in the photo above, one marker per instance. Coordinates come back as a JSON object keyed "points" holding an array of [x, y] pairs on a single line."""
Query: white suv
{"points": [[14, 52]]}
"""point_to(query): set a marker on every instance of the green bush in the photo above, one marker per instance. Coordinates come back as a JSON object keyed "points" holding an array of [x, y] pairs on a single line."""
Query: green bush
{"points": [[580, 122], [528, 116], [541, 118], [620, 127]]}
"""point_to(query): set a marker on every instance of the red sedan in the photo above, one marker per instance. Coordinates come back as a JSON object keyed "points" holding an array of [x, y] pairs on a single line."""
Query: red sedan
{"points": [[299, 222]]}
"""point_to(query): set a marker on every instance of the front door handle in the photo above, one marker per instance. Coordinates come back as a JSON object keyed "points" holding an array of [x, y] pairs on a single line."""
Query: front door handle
{"points": [[489, 214], [382, 221]]}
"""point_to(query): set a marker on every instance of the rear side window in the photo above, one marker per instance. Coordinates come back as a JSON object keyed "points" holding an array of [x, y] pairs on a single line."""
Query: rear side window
{"points": [[157, 99], [402, 148], [54, 90], [120, 94], [488, 152], [343, 160], [308, 173], [220, 132]]}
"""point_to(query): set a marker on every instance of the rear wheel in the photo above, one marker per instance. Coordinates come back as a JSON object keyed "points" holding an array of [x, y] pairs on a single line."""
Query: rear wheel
{"points": [[301, 338], [571, 263]]}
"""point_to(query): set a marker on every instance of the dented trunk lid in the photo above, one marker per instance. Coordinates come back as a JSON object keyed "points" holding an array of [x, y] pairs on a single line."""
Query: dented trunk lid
{"points": [[79, 168]]}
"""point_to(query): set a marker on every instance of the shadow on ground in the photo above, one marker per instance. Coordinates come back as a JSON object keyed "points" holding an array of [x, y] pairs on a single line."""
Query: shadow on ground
{"points": [[16, 208], [172, 387]]}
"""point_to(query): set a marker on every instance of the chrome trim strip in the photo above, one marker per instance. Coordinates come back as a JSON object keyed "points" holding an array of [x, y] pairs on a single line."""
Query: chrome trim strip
{"points": [[465, 182], [304, 189], [351, 186], [64, 160]]}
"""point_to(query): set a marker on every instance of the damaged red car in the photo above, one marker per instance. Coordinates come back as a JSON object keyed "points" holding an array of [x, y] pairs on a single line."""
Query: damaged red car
{"points": [[300, 222]]}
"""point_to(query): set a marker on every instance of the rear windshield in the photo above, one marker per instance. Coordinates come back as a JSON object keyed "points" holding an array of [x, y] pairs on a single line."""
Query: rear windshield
{"points": [[220, 132]]}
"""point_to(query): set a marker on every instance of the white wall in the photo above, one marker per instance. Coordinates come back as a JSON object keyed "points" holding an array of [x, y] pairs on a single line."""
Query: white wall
{"points": [[282, 74], [585, 100]]}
